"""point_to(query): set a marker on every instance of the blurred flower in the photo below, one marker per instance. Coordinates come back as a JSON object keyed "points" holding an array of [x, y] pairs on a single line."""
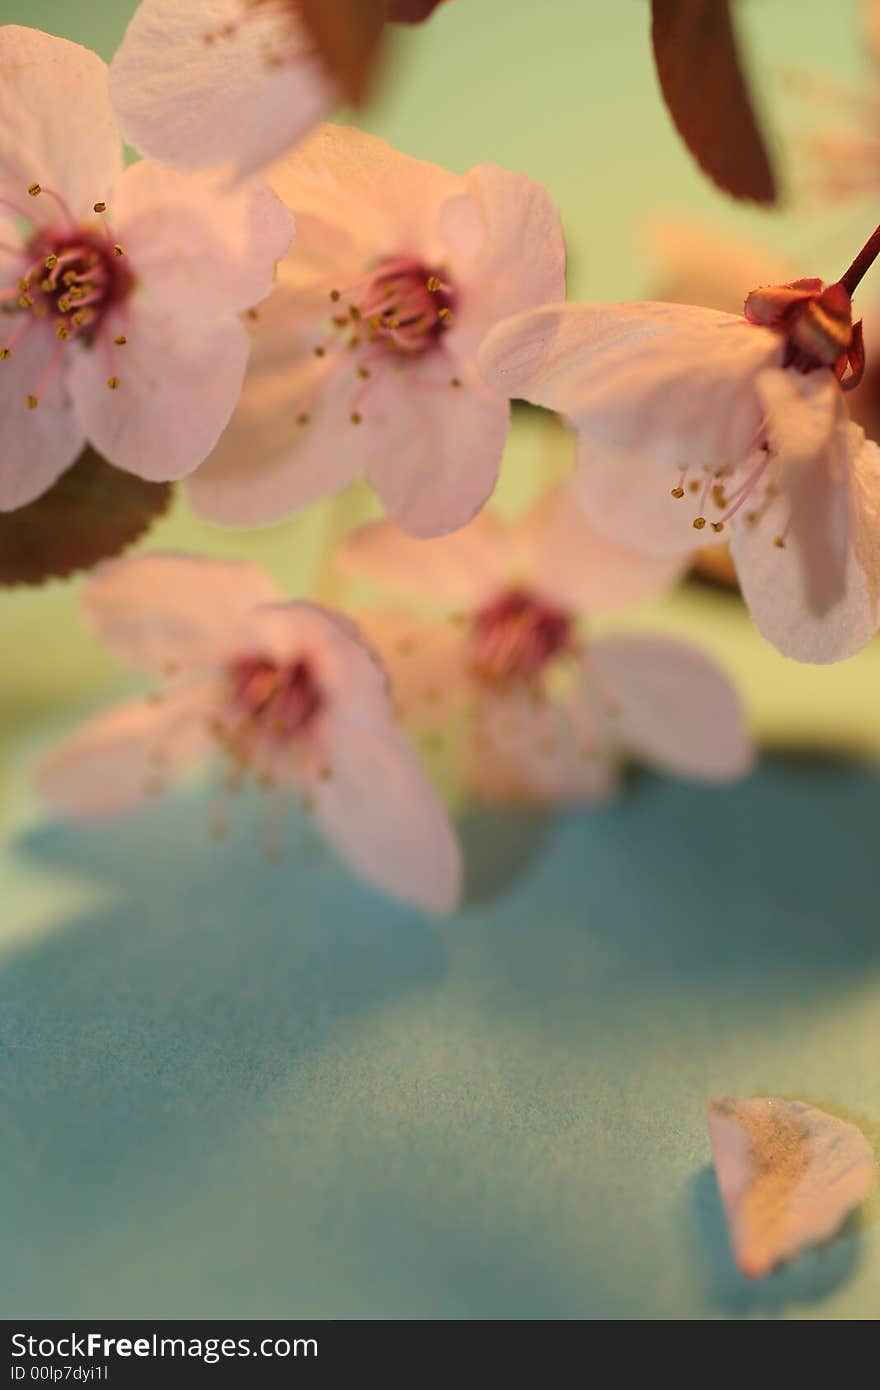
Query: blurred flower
{"points": [[123, 333], [364, 358], [844, 158], [546, 710], [694, 422], [202, 83], [284, 693]]}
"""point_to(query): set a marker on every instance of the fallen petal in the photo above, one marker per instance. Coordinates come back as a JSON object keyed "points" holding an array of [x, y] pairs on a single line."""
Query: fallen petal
{"points": [[788, 1176]]}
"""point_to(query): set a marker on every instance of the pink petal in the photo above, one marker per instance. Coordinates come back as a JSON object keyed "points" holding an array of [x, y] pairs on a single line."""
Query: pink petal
{"points": [[816, 598], [494, 229], [359, 193], [56, 124], [626, 495], [427, 663], [380, 812], [567, 560], [37, 445], [179, 385], [536, 751], [181, 611], [462, 570], [666, 702], [268, 463], [654, 389], [344, 666], [436, 449], [372, 798], [197, 247], [194, 101], [124, 757], [788, 1175]]}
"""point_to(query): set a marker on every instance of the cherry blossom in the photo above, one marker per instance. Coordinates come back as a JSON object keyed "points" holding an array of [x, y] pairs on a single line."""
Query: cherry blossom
{"points": [[544, 708], [364, 358], [699, 425], [788, 1175], [202, 83], [119, 291], [285, 694]]}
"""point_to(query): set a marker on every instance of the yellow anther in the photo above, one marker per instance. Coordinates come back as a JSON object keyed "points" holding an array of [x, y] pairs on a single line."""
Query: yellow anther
{"points": [[100, 207], [302, 419], [699, 523], [51, 261], [117, 250], [25, 282], [456, 382], [64, 303], [356, 417], [325, 773], [252, 314], [354, 341], [25, 301], [717, 526], [335, 296], [5, 353], [779, 542], [751, 517], [120, 340], [444, 314], [35, 190], [320, 352], [693, 486], [62, 331], [363, 372], [113, 383], [81, 316], [433, 284], [355, 312], [31, 402], [678, 492]]}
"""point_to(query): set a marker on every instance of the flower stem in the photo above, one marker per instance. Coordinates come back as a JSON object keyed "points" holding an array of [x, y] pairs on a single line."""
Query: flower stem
{"points": [[862, 263]]}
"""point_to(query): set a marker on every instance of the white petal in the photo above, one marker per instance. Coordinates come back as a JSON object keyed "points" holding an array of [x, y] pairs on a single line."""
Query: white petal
{"points": [[464, 569]]}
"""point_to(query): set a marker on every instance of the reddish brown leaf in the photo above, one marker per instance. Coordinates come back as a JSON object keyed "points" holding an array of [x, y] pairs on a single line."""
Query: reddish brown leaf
{"points": [[411, 11], [93, 511], [346, 34], [703, 85]]}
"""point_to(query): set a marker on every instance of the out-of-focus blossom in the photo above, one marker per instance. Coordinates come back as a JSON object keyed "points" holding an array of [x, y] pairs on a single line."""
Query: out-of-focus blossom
{"points": [[119, 291], [694, 423], [203, 83], [843, 156], [788, 1176], [365, 357], [544, 710], [284, 693]]}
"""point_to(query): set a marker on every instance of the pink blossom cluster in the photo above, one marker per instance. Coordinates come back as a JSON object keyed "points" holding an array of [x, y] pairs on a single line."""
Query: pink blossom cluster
{"points": [[270, 306]]}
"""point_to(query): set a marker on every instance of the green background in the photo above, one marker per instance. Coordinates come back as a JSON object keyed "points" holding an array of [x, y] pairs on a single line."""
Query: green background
{"points": [[236, 1090]]}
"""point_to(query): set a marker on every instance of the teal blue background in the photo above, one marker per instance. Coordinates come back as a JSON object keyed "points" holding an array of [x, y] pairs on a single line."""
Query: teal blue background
{"points": [[236, 1090]]}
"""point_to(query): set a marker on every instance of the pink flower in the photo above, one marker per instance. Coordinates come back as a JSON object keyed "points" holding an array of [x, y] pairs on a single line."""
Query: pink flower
{"points": [[202, 83], [698, 423], [545, 708], [284, 693], [364, 359], [119, 291]]}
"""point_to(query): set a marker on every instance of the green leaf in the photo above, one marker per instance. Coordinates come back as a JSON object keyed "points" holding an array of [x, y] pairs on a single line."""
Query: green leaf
{"points": [[702, 80], [94, 511]]}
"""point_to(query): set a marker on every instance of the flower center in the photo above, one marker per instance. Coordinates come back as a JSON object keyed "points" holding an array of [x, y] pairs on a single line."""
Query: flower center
{"points": [[270, 701], [404, 306], [73, 280], [516, 635], [816, 322]]}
